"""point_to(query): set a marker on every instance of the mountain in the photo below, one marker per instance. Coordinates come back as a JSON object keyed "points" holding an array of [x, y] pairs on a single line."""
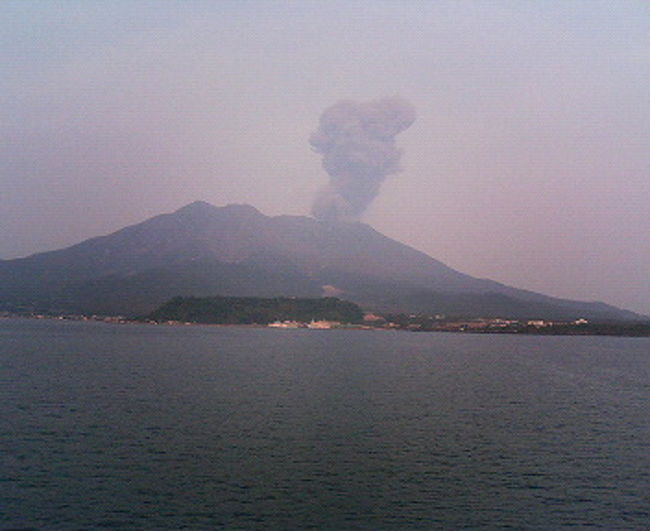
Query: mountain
{"points": [[203, 250]]}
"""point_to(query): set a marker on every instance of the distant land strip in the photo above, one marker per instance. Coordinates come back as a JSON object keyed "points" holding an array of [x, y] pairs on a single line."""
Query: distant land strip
{"points": [[332, 312]]}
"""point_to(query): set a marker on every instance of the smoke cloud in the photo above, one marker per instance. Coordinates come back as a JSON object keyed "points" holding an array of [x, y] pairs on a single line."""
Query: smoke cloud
{"points": [[357, 141]]}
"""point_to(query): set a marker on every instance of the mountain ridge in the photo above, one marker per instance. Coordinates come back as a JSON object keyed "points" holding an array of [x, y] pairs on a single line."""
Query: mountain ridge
{"points": [[202, 249]]}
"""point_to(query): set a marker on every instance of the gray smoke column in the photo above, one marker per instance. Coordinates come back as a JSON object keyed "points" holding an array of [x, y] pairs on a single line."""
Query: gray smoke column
{"points": [[357, 141]]}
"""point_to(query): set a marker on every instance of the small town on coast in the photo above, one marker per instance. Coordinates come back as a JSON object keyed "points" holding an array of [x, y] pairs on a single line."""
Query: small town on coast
{"points": [[391, 322]]}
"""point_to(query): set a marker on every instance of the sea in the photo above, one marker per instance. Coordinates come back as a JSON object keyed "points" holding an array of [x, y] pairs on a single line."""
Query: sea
{"points": [[108, 426]]}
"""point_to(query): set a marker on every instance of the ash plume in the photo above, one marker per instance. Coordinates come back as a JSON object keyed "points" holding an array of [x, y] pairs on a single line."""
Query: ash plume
{"points": [[357, 141]]}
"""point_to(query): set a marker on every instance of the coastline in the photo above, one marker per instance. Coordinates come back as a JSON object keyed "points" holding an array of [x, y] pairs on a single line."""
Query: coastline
{"points": [[625, 329]]}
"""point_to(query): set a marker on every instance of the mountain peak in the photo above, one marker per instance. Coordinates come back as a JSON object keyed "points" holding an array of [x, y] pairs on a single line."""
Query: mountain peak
{"points": [[200, 207], [202, 212], [196, 206]]}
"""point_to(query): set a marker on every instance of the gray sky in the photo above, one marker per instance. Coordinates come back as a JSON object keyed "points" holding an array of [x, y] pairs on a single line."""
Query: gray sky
{"points": [[528, 162]]}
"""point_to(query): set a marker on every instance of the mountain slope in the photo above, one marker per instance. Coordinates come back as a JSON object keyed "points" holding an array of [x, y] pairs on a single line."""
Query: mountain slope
{"points": [[235, 250]]}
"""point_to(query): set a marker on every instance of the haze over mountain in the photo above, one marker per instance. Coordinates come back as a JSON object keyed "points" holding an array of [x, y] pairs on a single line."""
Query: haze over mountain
{"points": [[235, 250]]}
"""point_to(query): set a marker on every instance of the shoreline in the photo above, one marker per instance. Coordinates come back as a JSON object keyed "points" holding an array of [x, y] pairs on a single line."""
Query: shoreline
{"points": [[605, 330]]}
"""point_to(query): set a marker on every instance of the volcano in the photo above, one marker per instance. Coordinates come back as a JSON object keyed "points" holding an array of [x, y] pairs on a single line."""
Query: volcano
{"points": [[205, 250]]}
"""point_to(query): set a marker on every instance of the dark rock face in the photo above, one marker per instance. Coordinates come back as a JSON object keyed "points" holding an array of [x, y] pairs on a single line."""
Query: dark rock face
{"points": [[204, 250]]}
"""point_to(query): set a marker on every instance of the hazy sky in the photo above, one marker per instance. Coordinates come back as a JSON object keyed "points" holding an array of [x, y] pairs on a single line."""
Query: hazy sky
{"points": [[528, 162]]}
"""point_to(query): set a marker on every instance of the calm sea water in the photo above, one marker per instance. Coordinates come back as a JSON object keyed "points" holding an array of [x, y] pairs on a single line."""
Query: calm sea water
{"points": [[109, 426]]}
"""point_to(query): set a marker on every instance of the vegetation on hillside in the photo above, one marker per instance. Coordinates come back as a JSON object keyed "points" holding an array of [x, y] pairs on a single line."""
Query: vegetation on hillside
{"points": [[255, 310]]}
